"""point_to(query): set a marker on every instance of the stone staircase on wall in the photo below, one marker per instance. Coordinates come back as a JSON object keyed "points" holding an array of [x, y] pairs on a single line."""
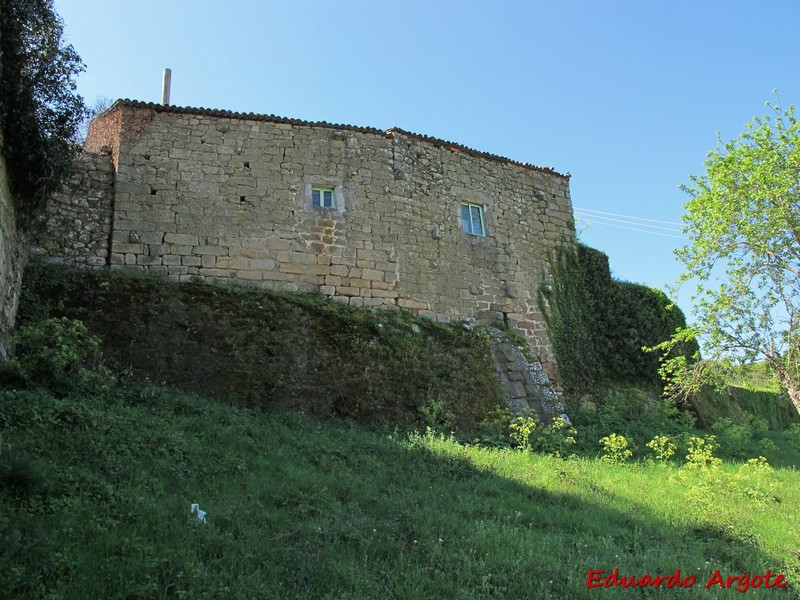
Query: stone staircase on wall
{"points": [[527, 386]]}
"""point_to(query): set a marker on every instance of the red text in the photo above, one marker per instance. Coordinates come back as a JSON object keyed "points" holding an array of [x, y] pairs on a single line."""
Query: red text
{"points": [[613, 579], [746, 581]]}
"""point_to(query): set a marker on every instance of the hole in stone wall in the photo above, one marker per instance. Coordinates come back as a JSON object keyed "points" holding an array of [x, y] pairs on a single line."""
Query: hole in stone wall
{"points": [[246, 164], [242, 199], [152, 192]]}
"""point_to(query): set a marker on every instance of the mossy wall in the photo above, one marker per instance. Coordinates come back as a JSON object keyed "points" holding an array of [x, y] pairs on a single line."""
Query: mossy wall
{"points": [[257, 347], [598, 325], [13, 256], [737, 403]]}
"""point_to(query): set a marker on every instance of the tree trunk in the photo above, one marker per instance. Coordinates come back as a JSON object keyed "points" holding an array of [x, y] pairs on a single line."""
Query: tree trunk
{"points": [[794, 394]]}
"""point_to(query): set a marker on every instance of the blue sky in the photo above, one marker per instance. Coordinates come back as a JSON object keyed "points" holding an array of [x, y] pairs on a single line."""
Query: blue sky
{"points": [[626, 96]]}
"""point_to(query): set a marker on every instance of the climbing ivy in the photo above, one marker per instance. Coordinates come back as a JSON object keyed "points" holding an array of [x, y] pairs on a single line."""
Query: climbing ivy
{"points": [[598, 326]]}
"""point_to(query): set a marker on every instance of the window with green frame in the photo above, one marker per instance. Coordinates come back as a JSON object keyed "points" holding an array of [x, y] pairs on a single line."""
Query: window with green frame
{"points": [[322, 196], [472, 219]]}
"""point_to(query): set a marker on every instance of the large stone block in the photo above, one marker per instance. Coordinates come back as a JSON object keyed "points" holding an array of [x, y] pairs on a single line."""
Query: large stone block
{"points": [[182, 239], [128, 248], [213, 250]]}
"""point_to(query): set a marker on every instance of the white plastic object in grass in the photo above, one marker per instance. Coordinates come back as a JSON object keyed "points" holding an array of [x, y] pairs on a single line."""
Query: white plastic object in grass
{"points": [[200, 515]]}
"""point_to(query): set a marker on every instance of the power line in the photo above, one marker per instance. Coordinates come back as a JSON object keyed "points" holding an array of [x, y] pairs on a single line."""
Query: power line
{"points": [[631, 223], [596, 221], [639, 230], [600, 212], [589, 216]]}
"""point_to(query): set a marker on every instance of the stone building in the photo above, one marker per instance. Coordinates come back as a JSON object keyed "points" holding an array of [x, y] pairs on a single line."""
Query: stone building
{"points": [[369, 217]]}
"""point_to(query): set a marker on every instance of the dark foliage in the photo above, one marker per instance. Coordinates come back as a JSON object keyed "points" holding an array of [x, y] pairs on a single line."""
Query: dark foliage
{"points": [[643, 317], [20, 476], [58, 355], [569, 305], [598, 326], [39, 108]]}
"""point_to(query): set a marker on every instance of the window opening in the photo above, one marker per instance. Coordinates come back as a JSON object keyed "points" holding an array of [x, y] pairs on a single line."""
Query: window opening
{"points": [[472, 219], [322, 196]]}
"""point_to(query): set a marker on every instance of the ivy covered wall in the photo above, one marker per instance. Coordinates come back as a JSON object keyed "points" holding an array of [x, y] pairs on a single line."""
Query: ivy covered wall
{"points": [[599, 325]]}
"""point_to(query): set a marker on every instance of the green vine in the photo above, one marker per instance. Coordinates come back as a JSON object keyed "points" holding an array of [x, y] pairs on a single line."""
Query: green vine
{"points": [[598, 325]]}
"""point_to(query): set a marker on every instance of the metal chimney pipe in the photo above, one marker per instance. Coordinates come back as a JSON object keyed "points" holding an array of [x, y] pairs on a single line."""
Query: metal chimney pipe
{"points": [[165, 87]]}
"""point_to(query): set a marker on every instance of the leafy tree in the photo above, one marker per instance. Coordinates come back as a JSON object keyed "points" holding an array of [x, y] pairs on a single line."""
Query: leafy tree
{"points": [[101, 105], [743, 223], [39, 109]]}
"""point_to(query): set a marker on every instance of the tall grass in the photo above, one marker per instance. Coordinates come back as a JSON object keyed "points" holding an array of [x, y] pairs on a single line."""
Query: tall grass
{"points": [[96, 495]]}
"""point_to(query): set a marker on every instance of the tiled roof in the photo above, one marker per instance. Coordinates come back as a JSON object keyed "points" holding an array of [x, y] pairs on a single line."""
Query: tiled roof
{"points": [[211, 112]]}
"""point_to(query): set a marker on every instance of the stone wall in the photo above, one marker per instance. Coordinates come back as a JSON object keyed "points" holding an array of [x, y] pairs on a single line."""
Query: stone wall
{"points": [[12, 261], [527, 386], [218, 196], [78, 227]]}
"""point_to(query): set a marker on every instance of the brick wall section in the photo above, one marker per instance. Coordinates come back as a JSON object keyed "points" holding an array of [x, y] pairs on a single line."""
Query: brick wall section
{"points": [[79, 218], [216, 196]]}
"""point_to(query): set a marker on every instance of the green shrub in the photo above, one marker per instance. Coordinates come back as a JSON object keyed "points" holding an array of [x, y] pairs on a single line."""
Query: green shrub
{"points": [[767, 446], [438, 414], [662, 448], [701, 453], [615, 448], [520, 431], [61, 356], [756, 479], [634, 413], [734, 438], [528, 435], [493, 430], [759, 425], [555, 439]]}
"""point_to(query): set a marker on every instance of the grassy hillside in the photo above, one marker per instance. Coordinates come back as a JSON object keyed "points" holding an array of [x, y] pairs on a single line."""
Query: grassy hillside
{"points": [[96, 495], [98, 470]]}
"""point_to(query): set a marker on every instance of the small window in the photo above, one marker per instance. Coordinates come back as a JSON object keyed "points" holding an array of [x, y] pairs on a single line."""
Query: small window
{"points": [[472, 219], [322, 196]]}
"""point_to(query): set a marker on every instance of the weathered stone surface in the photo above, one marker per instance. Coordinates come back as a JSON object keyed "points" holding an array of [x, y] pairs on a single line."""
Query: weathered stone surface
{"points": [[527, 387], [13, 256], [230, 197], [78, 226]]}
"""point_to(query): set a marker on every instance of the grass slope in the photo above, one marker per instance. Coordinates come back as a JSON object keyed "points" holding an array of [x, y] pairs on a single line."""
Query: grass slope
{"points": [[96, 494]]}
